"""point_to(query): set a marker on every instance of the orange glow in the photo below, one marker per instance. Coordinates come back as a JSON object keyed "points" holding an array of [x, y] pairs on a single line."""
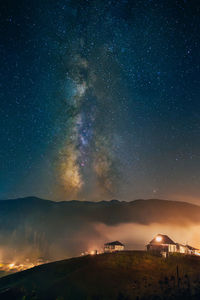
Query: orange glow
{"points": [[158, 238], [93, 252], [16, 266], [11, 266]]}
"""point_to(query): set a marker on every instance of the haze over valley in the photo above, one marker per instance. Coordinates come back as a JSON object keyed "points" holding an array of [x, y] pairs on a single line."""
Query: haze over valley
{"points": [[34, 228]]}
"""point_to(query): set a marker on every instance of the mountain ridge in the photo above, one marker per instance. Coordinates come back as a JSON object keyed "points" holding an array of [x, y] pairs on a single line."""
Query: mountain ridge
{"points": [[35, 198], [66, 228]]}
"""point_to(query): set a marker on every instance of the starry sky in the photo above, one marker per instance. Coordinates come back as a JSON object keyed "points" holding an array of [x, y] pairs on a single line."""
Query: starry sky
{"points": [[100, 99]]}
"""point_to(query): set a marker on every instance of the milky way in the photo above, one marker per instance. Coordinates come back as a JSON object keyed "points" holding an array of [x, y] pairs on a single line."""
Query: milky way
{"points": [[88, 150], [100, 99]]}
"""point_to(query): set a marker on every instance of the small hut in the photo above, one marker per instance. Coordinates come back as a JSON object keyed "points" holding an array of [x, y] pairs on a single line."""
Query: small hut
{"points": [[113, 247]]}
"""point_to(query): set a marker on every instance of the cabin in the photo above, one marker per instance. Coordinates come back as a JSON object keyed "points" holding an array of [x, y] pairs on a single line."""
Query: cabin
{"points": [[113, 247], [162, 244]]}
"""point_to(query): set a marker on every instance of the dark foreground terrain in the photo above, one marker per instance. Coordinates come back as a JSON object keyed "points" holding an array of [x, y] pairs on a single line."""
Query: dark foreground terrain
{"points": [[125, 275]]}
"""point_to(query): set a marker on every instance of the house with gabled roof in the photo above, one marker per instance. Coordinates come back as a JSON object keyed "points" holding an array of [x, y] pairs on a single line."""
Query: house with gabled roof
{"points": [[113, 247], [162, 243]]}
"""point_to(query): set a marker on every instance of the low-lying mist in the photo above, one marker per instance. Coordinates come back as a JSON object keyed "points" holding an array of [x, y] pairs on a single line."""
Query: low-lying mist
{"points": [[94, 235], [137, 236], [31, 228]]}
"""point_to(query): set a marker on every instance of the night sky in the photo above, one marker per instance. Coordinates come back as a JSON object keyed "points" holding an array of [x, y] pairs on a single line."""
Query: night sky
{"points": [[100, 99]]}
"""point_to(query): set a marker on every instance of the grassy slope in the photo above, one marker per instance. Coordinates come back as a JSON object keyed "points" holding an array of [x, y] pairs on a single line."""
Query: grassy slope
{"points": [[4, 273], [125, 275]]}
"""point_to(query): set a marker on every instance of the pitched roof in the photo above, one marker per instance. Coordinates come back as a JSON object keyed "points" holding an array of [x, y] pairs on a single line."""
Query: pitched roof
{"points": [[190, 247], [178, 244], [115, 243], [165, 240]]}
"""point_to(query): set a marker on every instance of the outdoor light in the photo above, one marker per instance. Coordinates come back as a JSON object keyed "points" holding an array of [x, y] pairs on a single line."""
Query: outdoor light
{"points": [[158, 238]]}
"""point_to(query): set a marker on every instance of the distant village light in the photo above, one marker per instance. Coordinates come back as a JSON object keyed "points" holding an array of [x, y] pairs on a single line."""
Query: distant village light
{"points": [[93, 252], [11, 266]]}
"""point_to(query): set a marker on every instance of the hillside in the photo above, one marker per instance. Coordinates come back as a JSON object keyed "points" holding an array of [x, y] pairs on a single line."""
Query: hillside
{"points": [[125, 275], [60, 229]]}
